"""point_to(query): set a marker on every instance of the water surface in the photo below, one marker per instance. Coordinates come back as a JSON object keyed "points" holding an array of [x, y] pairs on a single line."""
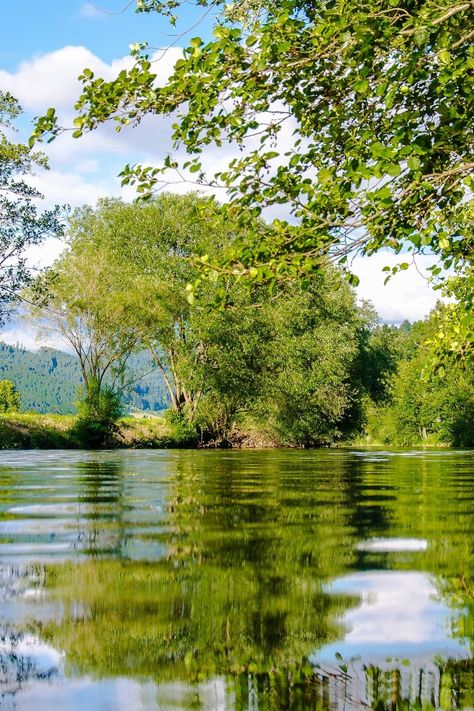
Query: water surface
{"points": [[236, 580]]}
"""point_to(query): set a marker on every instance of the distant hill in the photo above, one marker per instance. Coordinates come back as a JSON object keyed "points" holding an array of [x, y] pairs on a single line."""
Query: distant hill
{"points": [[48, 380]]}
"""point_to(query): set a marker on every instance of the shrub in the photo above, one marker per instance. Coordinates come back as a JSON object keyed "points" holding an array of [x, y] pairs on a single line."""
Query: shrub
{"points": [[184, 434], [9, 397], [98, 413]]}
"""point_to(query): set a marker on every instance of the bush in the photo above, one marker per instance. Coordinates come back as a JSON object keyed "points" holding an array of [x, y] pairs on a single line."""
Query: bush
{"points": [[98, 413], [183, 434], [9, 397]]}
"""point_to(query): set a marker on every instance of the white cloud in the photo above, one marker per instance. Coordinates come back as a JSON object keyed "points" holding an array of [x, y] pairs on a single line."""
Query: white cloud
{"points": [[43, 255], [51, 79], [407, 295], [62, 187], [25, 336], [87, 166], [91, 12]]}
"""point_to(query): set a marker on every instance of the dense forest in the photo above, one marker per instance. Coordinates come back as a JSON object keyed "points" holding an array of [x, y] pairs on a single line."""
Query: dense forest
{"points": [[48, 380]]}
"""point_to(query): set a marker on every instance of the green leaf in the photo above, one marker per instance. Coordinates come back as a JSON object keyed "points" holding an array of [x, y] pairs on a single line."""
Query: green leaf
{"points": [[414, 163], [361, 86], [353, 279], [383, 193], [324, 175], [394, 170], [444, 56]]}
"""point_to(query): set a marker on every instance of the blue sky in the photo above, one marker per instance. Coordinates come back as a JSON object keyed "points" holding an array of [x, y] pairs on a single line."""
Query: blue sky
{"points": [[45, 46], [106, 27]]}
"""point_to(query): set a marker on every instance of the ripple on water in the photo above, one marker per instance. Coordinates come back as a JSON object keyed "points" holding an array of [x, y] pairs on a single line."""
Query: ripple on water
{"points": [[119, 567]]}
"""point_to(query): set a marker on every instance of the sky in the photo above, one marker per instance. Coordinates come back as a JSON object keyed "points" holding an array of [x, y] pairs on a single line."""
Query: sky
{"points": [[44, 47]]}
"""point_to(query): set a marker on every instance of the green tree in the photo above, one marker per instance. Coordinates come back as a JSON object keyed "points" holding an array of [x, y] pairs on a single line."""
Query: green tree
{"points": [[285, 359], [98, 412], [76, 301], [148, 251], [238, 347], [382, 348], [422, 405], [311, 394], [454, 338], [377, 98], [21, 225], [9, 397]]}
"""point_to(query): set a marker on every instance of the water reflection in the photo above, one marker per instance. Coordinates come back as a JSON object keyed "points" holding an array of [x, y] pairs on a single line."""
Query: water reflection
{"points": [[400, 614], [232, 580], [387, 545]]}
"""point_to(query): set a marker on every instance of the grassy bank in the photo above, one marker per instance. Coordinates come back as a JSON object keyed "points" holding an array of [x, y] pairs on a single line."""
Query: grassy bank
{"points": [[34, 431]]}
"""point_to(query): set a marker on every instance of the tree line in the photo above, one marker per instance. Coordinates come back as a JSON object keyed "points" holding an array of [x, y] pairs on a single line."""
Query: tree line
{"points": [[303, 364]]}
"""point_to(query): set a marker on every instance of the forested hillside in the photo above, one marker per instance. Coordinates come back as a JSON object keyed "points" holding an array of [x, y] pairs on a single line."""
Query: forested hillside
{"points": [[48, 380]]}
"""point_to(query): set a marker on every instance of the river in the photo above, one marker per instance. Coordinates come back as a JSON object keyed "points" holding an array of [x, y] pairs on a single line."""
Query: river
{"points": [[283, 579]]}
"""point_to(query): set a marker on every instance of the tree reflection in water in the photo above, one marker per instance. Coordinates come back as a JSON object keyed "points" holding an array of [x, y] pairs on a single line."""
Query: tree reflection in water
{"points": [[207, 580]]}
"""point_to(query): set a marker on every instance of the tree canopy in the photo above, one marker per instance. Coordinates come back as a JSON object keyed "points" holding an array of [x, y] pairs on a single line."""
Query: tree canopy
{"points": [[419, 404], [357, 117], [304, 366], [288, 361]]}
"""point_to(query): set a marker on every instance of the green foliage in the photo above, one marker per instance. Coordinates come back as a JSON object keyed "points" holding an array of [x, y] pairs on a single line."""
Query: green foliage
{"points": [[21, 224], [425, 405], [47, 380], [310, 394], [378, 99], [37, 431], [435, 410], [304, 365], [32, 431], [98, 412], [184, 433], [378, 102], [453, 340], [378, 360], [148, 253], [10, 400], [78, 301]]}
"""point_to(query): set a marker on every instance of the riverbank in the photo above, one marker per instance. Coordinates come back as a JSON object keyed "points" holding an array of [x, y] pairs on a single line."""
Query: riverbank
{"points": [[35, 431]]}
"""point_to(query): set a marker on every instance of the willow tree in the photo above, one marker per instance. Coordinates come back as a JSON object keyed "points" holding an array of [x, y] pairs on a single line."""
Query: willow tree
{"points": [[121, 285], [76, 302]]}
